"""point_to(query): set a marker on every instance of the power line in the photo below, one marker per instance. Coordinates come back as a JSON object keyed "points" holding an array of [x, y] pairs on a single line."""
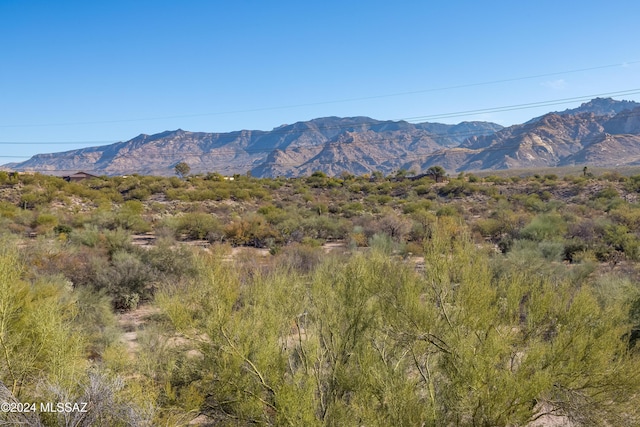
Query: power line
{"points": [[373, 122], [238, 168], [283, 107], [524, 106], [240, 150], [57, 143]]}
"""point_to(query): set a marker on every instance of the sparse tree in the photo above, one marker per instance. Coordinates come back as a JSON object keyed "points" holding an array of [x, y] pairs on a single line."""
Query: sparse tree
{"points": [[437, 173], [401, 173], [377, 175], [182, 169]]}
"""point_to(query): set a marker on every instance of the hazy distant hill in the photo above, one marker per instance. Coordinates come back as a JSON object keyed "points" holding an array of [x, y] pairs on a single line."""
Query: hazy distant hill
{"points": [[601, 132]]}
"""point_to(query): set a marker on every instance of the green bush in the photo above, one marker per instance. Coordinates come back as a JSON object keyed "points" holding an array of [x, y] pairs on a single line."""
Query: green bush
{"points": [[199, 225], [552, 251], [127, 280], [544, 227], [46, 222], [447, 210], [457, 188]]}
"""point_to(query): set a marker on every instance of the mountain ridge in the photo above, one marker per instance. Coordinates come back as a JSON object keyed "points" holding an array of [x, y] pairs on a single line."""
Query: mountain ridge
{"points": [[601, 132]]}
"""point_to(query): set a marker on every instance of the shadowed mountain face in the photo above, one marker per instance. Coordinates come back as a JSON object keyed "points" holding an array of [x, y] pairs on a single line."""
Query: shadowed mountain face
{"points": [[601, 132]]}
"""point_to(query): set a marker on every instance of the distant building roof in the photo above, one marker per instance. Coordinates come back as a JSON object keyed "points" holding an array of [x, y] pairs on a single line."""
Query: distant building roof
{"points": [[78, 176]]}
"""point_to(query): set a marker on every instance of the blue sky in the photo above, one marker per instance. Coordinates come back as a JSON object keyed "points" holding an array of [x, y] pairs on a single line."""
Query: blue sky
{"points": [[84, 73]]}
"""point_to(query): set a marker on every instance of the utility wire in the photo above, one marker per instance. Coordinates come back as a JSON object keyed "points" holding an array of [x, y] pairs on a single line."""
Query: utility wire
{"points": [[355, 126], [238, 168], [338, 101], [372, 122]]}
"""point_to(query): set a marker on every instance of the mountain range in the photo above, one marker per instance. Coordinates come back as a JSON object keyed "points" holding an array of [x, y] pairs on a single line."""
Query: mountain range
{"points": [[601, 132]]}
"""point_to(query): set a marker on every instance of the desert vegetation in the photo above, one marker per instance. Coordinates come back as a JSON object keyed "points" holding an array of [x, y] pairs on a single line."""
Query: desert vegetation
{"points": [[352, 300]]}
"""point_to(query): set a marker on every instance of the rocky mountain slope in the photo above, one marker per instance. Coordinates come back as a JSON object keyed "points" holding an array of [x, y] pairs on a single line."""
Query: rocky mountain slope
{"points": [[601, 132], [593, 134], [332, 144]]}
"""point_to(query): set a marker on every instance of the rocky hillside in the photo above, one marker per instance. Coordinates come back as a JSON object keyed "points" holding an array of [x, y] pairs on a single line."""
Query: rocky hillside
{"points": [[332, 144], [582, 136], [601, 132]]}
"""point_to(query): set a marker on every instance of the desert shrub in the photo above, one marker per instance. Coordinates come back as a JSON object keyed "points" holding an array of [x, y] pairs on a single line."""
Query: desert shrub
{"points": [[533, 203], [63, 229], [447, 210], [199, 195], [320, 208], [411, 207], [39, 340], [259, 194], [632, 183], [395, 226], [8, 210], [384, 188], [383, 243], [7, 226], [352, 209], [102, 218], [129, 217], [290, 229], [606, 193], [545, 196], [275, 215], [627, 215], [490, 228], [32, 197], [198, 225], [544, 227], [612, 177], [413, 248], [497, 179], [552, 251], [301, 258], [88, 236], [457, 188], [588, 230], [251, 229], [169, 262], [45, 222], [324, 227], [174, 194], [634, 317], [240, 194], [79, 265], [620, 239], [381, 199], [140, 193], [116, 240], [490, 191], [422, 227], [109, 240], [126, 280], [96, 318], [358, 238], [347, 338], [421, 190], [573, 249]]}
